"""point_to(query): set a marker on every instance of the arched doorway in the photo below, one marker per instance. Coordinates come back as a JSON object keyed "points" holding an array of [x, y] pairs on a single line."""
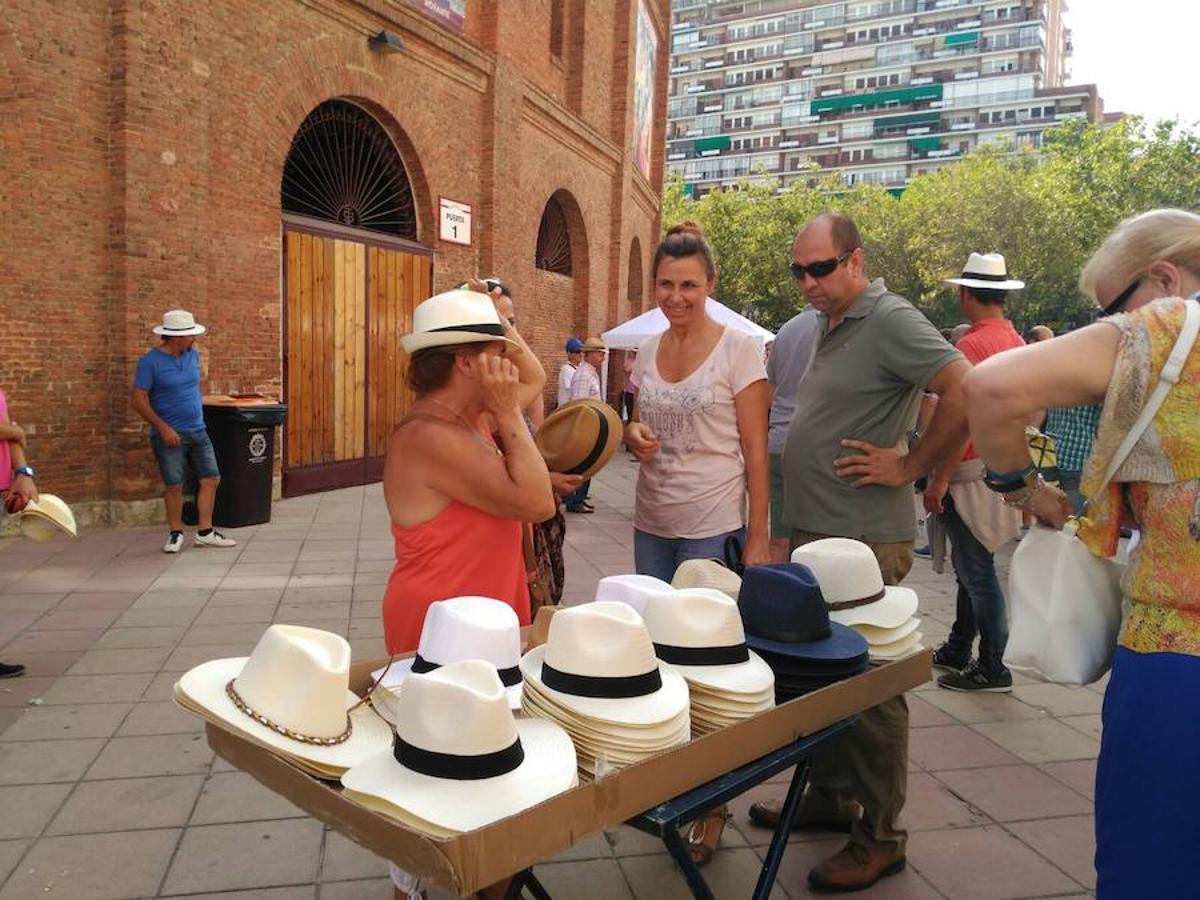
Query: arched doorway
{"points": [[353, 272]]}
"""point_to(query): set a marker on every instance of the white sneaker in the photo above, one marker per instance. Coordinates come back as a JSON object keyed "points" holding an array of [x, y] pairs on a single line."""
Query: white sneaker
{"points": [[213, 539], [174, 543]]}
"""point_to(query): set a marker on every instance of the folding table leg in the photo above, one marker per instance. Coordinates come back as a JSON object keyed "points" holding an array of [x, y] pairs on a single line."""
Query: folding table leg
{"points": [[526, 879], [779, 840], [683, 858]]}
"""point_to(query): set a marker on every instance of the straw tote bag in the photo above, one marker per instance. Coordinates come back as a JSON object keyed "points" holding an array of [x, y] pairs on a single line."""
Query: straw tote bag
{"points": [[1065, 603]]}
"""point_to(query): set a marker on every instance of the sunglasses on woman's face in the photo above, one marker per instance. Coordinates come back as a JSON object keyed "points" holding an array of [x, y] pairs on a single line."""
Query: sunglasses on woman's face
{"points": [[1121, 299], [818, 269]]}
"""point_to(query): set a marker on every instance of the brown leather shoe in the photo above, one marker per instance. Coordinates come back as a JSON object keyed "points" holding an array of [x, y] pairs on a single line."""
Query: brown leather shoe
{"points": [[842, 818], [856, 867]]}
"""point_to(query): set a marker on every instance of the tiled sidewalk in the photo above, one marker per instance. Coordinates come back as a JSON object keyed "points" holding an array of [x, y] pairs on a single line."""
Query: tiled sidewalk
{"points": [[107, 790]]}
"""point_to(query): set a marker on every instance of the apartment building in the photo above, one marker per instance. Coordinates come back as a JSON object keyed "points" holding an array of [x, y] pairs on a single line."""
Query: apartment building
{"points": [[878, 91]]}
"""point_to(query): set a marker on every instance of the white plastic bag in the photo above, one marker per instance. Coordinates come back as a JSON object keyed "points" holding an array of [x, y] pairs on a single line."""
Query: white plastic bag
{"points": [[1064, 608]]}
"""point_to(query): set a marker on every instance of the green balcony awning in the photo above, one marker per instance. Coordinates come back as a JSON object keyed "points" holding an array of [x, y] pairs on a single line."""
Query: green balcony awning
{"points": [[907, 120], [962, 38], [878, 98], [925, 144], [717, 142]]}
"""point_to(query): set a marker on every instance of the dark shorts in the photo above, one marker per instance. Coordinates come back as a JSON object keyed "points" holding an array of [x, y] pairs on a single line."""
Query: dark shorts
{"points": [[194, 447]]}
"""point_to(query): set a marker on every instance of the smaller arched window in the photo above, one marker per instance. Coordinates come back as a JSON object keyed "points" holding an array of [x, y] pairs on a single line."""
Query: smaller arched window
{"points": [[637, 284], [553, 252]]}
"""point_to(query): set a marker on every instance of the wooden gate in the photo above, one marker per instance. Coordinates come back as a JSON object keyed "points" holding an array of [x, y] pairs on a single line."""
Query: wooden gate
{"points": [[348, 301]]}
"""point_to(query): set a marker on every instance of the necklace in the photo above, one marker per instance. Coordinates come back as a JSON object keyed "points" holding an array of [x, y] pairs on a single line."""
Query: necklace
{"points": [[467, 425]]}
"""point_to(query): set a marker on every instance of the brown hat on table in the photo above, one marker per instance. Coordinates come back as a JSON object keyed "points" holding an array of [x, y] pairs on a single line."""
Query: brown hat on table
{"points": [[580, 437]]}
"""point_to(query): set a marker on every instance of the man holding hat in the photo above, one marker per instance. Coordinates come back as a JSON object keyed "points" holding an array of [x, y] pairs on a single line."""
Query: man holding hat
{"points": [[166, 393], [976, 520], [567, 373]]}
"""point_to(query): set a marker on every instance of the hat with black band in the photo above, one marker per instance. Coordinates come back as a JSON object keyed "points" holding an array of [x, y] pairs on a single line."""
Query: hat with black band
{"points": [[580, 437], [452, 319]]}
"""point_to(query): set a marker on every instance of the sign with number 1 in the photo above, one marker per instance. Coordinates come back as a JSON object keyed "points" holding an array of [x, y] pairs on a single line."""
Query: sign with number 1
{"points": [[455, 221]]}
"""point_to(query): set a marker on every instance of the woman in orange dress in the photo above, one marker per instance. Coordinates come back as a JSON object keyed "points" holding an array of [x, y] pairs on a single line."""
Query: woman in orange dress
{"points": [[457, 498]]}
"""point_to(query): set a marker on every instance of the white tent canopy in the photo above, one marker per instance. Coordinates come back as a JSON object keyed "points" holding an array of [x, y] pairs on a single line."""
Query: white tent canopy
{"points": [[630, 335]]}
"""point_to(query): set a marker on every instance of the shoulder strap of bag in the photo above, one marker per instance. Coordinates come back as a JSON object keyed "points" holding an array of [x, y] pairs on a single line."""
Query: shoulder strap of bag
{"points": [[1169, 376]]}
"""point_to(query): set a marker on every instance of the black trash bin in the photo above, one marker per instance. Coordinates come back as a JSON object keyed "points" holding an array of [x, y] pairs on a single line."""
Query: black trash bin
{"points": [[242, 430]]}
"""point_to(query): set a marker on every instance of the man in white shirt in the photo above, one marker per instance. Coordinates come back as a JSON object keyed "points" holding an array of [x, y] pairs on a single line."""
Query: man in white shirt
{"points": [[567, 373], [585, 385]]}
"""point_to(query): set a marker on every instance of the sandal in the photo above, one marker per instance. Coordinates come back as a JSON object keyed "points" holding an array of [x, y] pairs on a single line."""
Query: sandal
{"points": [[704, 835]]}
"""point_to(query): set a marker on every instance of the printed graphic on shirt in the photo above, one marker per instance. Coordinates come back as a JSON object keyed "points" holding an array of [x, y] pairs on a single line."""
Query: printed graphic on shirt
{"points": [[670, 412]]}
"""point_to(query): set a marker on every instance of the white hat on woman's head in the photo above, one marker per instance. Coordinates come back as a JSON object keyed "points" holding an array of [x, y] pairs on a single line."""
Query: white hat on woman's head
{"points": [[292, 694], [178, 323], [849, 576], [457, 629], [453, 318], [635, 590], [460, 760]]}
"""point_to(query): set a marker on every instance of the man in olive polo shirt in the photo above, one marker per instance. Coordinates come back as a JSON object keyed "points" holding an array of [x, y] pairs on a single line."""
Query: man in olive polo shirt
{"points": [[847, 472]]}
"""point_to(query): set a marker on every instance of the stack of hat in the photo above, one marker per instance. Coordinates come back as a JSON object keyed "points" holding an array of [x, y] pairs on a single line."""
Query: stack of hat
{"points": [[46, 518], [635, 590], [788, 623], [849, 575], [699, 632], [292, 696], [597, 677], [459, 760], [707, 573], [457, 629]]}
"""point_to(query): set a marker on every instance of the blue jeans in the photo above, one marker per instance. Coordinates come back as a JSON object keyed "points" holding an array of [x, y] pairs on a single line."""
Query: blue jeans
{"points": [[195, 447], [575, 499], [980, 606], [660, 556]]}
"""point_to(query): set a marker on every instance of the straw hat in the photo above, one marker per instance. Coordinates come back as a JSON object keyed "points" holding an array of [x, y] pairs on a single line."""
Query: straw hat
{"points": [[879, 636], [453, 318], [580, 437], [292, 695], [460, 760], [178, 323], [594, 343], [699, 632], [785, 613], [598, 662], [899, 648], [853, 587], [988, 271], [635, 590], [457, 629], [46, 518], [707, 573]]}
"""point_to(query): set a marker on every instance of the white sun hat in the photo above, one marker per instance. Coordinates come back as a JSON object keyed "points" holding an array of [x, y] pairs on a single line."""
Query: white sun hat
{"points": [[460, 760], [291, 694], [635, 590], [707, 573], [598, 663], [699, 632], [178, 323], [897, 649], [46, 518], [457, 629], [453, 318], [988, 271], [849, 576], [878, 636]]}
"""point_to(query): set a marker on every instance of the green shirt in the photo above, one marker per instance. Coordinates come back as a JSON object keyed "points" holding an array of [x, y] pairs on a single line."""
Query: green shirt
{"points": [[865, 382]]}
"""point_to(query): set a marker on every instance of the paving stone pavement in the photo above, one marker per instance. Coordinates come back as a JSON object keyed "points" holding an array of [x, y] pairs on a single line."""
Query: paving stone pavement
{"points": [[108, 790]]}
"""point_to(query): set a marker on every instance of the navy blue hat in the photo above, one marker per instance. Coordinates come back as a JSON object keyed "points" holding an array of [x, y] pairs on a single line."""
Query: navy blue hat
{"points": [[784, 613], [574, 345]]}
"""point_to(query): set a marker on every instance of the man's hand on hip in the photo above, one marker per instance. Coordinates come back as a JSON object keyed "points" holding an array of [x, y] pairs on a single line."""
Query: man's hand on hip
{"points": [[873, 465], [170, 437]]}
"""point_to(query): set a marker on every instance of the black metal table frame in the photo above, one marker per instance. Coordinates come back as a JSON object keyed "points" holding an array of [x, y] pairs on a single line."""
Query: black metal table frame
{"points": [[665, 820]]}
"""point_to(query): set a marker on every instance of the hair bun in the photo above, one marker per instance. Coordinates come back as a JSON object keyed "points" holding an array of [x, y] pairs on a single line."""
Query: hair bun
{"points": [[686, 227]]}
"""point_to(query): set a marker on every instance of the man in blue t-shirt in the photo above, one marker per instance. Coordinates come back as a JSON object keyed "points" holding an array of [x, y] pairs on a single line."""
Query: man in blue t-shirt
{"points": [[166, 393]]}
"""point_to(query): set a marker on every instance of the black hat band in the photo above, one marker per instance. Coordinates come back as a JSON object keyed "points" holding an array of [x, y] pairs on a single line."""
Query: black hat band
{"points": [[508, 677], [861, 601], [979, 276], [609, 687], [456, 767], [597, 448], [702, 656], [485, 328]]}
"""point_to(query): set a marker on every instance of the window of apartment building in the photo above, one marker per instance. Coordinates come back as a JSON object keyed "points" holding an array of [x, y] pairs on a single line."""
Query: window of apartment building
{"points": [[997, 64], [873, 81]]}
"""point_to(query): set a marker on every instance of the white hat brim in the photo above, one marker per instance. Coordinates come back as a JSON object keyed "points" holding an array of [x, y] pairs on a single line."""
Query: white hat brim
{"points": [[204, 686], [636, 736], [892, 610], [897, 649], [426, 339], [549, 768], [665, 703], [187, 332], [750, 677], [877, 636], [402, 668], [1011, 284]]}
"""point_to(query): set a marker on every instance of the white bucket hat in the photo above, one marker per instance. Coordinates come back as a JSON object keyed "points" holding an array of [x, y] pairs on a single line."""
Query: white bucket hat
{"points": [[46, 518], [455, 317], [292, 695], [987, 271], [849, 576], [457, 629], [460, 760], [635, 590], [699, 632], [598, 662], [178, 323], [707, 573]]}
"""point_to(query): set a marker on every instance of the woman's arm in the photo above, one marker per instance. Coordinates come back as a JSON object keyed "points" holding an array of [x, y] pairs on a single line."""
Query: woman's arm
{"points": [[640, 438], [751, 406]]}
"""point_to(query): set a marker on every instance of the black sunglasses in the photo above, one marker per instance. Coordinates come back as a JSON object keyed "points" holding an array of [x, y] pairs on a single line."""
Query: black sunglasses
{"points": [[818, 269], [1121, 299]]}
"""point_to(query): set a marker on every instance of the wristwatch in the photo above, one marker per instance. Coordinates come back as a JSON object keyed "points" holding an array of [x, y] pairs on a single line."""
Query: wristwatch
{"points": [[23, 470], [1009, 482]]}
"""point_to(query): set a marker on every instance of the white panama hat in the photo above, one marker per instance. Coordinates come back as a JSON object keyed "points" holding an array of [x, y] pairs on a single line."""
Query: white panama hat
{"points": [[707, 573], [699, 632], [298, 679], [897, 649], [460, 760], [635, 590], [849, 576], [987, 271], [453, 318], [178, 323], [46, 518], [457, 629], [598, 663], [878, 636]]}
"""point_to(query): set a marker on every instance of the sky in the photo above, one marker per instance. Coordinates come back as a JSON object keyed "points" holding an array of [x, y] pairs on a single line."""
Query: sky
{"points": [[1142, 55]]}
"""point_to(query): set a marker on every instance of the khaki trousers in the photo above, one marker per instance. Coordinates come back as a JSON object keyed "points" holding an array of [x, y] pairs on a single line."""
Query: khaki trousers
{"points": [[868, 763]]}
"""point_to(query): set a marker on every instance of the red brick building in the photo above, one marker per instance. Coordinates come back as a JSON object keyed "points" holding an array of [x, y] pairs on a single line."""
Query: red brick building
{"points": [[279, 169]]}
